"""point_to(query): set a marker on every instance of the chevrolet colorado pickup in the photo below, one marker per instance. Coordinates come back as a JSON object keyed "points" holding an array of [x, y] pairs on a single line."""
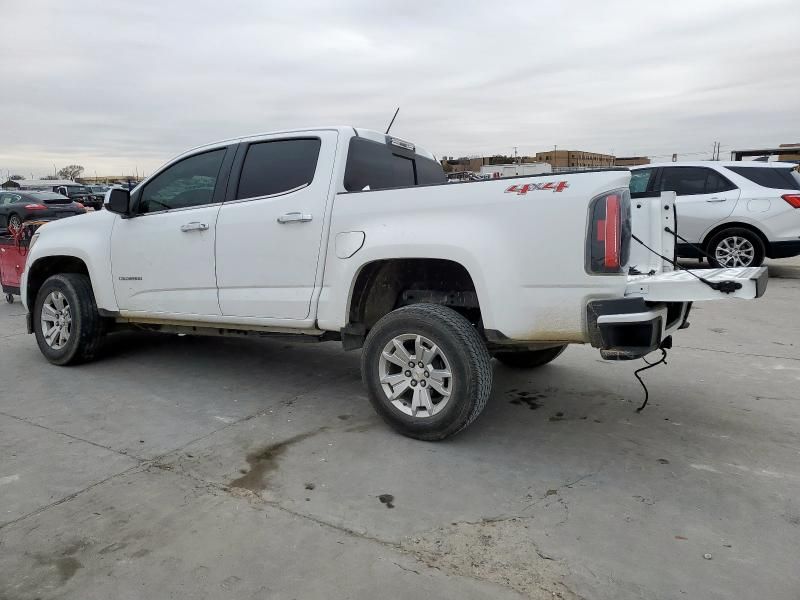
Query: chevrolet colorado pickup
{"points": [[351, 235]]}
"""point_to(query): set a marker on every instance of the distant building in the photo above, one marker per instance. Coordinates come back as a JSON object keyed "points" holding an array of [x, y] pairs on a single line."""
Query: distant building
{"points": [[560, 159], [782, 152], [475, 163], [34, 184], [514, 169], [108, 179], [631, 161], [792, 156]]}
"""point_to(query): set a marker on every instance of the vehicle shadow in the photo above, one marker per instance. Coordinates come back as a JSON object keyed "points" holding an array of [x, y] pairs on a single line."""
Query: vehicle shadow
{"points": [[561, 394]]}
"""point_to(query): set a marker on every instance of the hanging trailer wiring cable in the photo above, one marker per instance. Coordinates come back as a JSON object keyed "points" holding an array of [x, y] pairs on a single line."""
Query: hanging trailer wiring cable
{"points": [[726, 287]]}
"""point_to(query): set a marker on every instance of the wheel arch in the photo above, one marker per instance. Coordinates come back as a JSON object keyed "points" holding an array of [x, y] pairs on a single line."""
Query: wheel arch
{"points": [[735, 225], [382, 285], [47, 266]]}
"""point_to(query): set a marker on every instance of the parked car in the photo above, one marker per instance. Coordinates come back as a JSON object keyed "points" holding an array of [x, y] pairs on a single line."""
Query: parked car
{"points": [[81, 193], [736, 212], [99, 190], [19, 206], [349, 234]]}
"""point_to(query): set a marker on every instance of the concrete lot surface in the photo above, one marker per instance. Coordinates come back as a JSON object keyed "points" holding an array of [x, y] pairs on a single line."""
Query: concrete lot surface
{"points": [[180, 467]]}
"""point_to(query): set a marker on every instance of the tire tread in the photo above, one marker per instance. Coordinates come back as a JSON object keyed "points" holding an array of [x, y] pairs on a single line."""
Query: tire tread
{"points": [[91, 325], [471, 341]]}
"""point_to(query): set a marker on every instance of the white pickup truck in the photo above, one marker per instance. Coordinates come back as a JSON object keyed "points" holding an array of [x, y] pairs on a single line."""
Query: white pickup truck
{"points": [[347, 234]]}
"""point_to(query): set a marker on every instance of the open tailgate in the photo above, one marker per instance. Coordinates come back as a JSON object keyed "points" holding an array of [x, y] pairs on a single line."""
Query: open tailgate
{"points": [[682, 286]]}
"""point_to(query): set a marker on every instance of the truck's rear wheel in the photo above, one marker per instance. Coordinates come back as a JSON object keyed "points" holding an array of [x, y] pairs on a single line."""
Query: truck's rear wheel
{"points": [[427, 371], [529, 359], [67, 325]]}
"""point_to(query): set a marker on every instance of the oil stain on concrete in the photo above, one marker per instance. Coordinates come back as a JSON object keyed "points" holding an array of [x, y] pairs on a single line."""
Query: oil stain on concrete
{"points": [[64, 562], [265, 460]]}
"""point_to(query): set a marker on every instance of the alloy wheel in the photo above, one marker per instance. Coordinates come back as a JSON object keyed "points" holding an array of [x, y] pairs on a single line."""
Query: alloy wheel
{"points": [[734, 251], [415, 375], [56, 320]]}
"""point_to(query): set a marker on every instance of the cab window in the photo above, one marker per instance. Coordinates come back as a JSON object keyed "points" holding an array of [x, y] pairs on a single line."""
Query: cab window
{"points": [[188, 183], [640, 178], [278, 166]]}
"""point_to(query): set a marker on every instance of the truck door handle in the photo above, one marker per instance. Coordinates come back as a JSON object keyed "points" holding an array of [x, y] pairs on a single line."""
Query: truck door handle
{"points": [[293, 217], [716, 200], [194, 226]]}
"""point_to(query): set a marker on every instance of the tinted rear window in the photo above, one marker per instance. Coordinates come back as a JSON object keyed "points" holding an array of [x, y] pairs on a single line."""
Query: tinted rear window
{"points": [[770, 177], [279, 166], [688, 181], [379, 166]]}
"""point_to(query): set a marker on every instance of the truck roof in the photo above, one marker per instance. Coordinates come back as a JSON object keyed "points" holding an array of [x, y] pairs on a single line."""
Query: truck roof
{"points": [[347, 130]]}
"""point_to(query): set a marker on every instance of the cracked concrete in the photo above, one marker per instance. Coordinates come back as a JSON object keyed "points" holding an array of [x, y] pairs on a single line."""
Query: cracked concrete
{"points": [[117, 479]]}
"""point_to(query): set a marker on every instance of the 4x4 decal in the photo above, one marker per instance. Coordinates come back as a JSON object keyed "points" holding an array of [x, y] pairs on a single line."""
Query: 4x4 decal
{"points": [[529, 187]]}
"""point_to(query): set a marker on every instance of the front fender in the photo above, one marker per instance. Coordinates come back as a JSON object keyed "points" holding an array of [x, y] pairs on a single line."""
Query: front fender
{"points": [[85, 237]]}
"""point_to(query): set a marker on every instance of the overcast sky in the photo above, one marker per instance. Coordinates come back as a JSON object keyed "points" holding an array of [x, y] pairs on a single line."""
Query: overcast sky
{"points": [[116, 86]]}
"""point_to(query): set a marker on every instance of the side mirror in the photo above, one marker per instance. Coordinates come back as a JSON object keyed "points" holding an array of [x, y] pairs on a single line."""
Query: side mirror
{"points": [[119, 202]]}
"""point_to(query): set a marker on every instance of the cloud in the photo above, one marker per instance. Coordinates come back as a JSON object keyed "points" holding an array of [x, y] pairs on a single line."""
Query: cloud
{"points": [[120, 86]]}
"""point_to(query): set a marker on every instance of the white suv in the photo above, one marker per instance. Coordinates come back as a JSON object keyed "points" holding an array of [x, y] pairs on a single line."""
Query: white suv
{"points": [[735, 212]]}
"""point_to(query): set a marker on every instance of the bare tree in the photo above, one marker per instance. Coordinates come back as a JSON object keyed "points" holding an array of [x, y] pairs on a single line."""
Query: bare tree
{"points": [[70, 172], [16, 178], [49, 177]]}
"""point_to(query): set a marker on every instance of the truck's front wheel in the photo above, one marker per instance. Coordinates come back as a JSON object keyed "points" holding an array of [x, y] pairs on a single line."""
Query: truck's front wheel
{"points": [[427, 371], [66, 322]]}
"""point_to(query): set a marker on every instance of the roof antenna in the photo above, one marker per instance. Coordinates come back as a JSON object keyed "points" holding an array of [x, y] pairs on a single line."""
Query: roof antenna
{"points": [[392, 121]]}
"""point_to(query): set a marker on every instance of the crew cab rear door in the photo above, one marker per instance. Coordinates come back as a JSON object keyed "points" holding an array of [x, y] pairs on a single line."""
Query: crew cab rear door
{"points": [[270, 228]]}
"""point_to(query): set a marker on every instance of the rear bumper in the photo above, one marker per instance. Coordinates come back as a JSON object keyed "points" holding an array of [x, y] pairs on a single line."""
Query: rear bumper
{"points": [[629, 328], [783, 249]]}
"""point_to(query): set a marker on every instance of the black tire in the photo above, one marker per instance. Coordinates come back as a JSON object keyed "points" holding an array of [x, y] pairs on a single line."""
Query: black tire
{"points": [[754, 239], [87, 327], [529, 359], [469, 360]]}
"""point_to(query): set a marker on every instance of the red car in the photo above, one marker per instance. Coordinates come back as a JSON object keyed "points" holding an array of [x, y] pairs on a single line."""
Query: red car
{"points": [[19, 206]]}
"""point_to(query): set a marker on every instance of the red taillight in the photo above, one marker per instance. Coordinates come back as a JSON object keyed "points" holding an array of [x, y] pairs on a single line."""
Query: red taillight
{"points": [[793, 199], [611, 236], [610, 233], [79, 205], [35, 207]]}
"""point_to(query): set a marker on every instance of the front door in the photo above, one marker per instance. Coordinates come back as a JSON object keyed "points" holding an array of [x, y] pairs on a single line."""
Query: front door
{"points": [[270, 228], [162, 258], [704, 198]]}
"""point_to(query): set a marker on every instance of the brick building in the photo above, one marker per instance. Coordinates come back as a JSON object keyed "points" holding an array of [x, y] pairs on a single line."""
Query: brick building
{"points": [[560, 159], [630, 161]]}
